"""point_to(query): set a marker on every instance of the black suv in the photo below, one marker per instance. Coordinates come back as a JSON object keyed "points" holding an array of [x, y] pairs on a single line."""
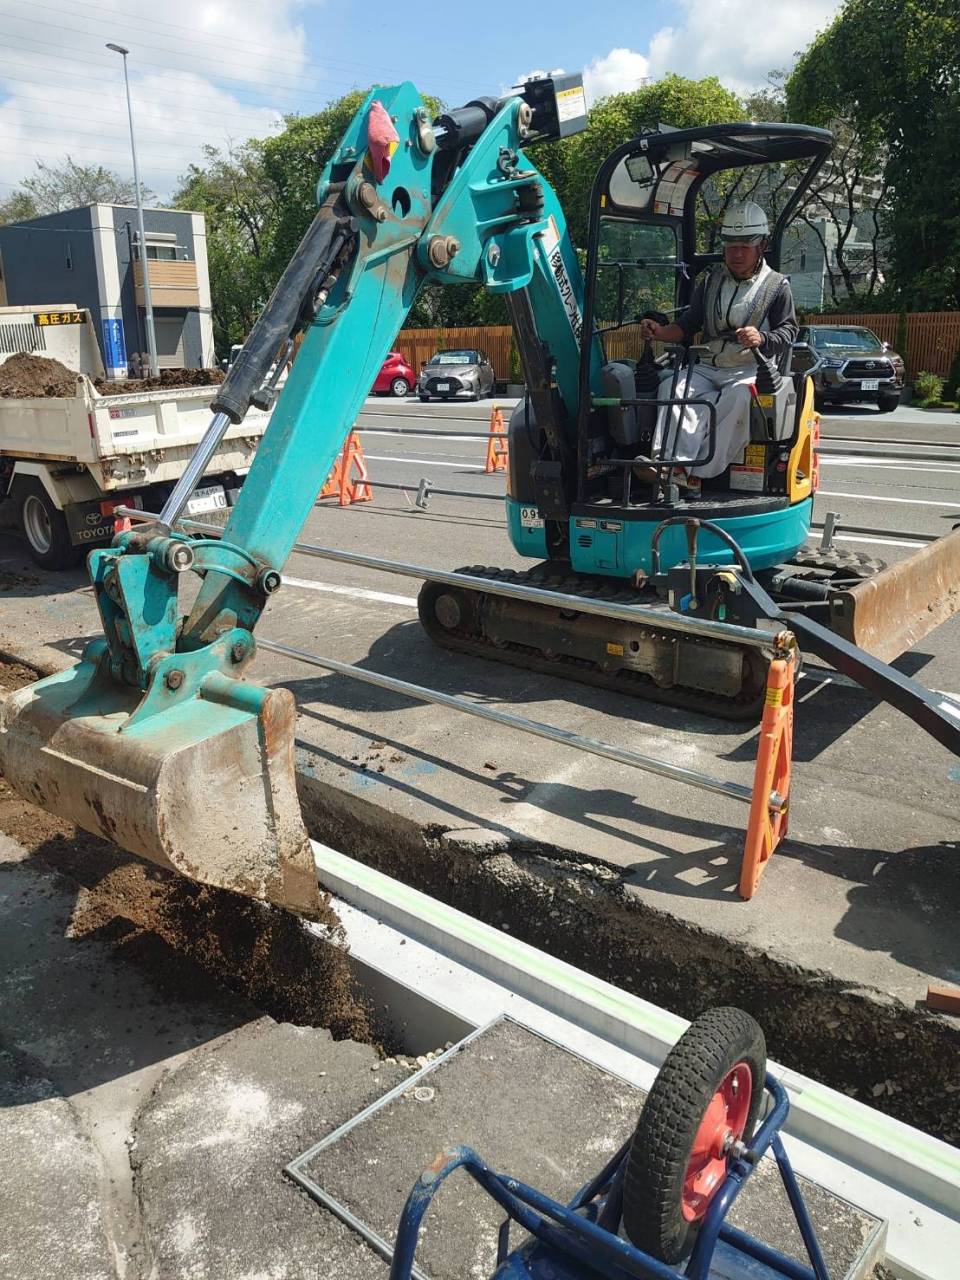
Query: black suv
{"points": [[849, 364]]}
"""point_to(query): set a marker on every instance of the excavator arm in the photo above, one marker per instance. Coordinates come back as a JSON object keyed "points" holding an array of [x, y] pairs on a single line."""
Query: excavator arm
{"points": [[153, 740]]}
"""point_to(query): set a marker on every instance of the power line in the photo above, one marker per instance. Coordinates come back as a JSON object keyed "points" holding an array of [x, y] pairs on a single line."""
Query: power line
{"points": [[146, 129], [248, 86], [177, 51], [98, 80], [215, 41]]}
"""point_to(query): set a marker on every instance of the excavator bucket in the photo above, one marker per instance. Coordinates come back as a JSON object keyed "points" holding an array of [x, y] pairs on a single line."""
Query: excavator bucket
{"points": [[888, 614], [206, 788]]}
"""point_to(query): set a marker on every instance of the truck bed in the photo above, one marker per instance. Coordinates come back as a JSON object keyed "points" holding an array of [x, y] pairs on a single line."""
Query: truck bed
{"points": [[123, 439]]}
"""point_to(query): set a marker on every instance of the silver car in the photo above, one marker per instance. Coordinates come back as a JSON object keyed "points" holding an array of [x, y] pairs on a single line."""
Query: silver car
{"points": [[461, 373]]}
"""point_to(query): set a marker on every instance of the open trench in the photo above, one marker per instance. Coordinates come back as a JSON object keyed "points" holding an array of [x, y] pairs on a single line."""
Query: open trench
{"points": [[899, 1059], [872, 1047]]}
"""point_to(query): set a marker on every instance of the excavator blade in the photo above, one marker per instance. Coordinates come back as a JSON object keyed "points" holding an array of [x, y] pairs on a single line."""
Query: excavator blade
{"points": [[888, 614], [205, 788]]}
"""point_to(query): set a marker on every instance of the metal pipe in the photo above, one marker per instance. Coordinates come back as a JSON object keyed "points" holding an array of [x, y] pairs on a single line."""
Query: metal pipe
{"points": [[145, 265], [426, 432], [622, 755], [174, 505], [664, 619], [430, 490], [882, 454]]}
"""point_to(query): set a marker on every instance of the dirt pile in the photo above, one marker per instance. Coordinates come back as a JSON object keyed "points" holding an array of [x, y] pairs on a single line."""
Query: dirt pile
{"points": [[25, 376], [169, 378], [259, 952]]}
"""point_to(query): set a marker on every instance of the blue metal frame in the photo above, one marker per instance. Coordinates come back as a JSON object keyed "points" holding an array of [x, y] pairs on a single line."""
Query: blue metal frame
{"points": [[583, 1233]]}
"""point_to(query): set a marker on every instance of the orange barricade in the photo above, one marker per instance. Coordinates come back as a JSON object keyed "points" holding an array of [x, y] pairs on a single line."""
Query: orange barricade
{"points": [[767, 826], [496, 448], [348, 481]]}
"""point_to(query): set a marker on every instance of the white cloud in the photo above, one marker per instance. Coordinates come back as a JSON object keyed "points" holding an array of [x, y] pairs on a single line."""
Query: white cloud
{"points": [[618, 72], [734, 40], [737, 41], [197, 74]]}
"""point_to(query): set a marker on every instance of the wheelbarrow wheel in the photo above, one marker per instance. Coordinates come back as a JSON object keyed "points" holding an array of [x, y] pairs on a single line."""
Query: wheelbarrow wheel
{"points": [[706, 1095]]}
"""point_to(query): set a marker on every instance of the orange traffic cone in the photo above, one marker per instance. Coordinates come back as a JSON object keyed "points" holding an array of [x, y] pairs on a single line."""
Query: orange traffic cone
{"points": [[496, 448], [354, 480], [331, 486], [767, 825], [348, 480]]}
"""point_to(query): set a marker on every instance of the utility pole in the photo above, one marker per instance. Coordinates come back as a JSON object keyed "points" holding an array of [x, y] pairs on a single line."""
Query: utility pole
{"points": [[144, 263]]}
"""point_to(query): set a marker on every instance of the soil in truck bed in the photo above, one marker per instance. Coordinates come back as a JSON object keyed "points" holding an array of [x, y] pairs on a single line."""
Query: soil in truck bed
{"points": [[26, 376]]}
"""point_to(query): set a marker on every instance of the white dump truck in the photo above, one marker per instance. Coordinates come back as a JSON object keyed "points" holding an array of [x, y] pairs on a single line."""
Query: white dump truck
{"points": [[71, 454]]}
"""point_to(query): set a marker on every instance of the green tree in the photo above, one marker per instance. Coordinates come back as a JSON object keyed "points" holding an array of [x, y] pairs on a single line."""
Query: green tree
{"points": [[241, 208], [892, 68], [68, 186]]}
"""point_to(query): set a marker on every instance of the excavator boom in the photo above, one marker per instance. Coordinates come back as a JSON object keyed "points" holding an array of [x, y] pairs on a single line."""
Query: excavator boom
{"points": [[153, 740]]}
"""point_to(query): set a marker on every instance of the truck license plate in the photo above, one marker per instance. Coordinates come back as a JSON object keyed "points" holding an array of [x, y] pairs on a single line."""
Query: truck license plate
{"points": [[205, 500], [870, 384], [443, 386]]}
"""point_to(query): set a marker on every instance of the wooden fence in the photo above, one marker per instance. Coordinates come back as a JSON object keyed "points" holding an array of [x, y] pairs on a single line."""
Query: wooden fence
{"points": [[931, 346], [418, 345]]}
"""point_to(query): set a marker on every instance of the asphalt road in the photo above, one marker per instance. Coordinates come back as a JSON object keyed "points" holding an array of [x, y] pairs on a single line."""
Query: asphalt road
{"points": [[873, 823], [896, 473]]}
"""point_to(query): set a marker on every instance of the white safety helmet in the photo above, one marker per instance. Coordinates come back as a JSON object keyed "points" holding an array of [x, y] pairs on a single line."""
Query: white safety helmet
{"points": [[745, 224]]}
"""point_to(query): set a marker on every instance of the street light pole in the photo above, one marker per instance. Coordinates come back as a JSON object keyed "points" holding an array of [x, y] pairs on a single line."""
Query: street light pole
{"points": [[144, 263]]}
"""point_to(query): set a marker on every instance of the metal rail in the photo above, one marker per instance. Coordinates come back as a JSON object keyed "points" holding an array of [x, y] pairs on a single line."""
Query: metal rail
{"points": [[623, 755], [912, 455], [425, 490], [662, 619], [592, 746], [442, 435], [921, 444]]}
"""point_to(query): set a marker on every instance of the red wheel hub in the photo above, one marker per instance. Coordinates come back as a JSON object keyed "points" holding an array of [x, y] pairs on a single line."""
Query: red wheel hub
{"points": [[723, 1123]]}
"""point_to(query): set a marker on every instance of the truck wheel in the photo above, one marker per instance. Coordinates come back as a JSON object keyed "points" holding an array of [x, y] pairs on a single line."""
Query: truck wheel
{"points": [[887, 404], [45, 529], [706, 1095]]}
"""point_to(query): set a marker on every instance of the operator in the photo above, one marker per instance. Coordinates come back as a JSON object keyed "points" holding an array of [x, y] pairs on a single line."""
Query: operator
{"points": [[740, 305]]}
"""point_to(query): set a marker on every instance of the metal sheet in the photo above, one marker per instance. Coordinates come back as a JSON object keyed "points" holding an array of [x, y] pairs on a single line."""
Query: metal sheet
{"points": [[890, 613]]}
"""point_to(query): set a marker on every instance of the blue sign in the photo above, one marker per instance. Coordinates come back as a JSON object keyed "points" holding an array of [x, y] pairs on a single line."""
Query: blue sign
{"points": [[114, 346]]}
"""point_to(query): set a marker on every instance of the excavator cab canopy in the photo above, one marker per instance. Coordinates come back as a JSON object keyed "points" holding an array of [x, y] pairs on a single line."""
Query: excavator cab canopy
{"points": [[657, 203]]}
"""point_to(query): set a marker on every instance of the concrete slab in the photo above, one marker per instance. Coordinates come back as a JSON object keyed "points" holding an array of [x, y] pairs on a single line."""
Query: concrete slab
{"points": [[146, 1110], [213, 1139], [49, 1183], [537, 1112]]}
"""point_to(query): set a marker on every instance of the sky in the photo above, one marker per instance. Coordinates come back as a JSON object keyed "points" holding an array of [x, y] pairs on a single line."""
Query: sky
{"points": [[221, 71]]}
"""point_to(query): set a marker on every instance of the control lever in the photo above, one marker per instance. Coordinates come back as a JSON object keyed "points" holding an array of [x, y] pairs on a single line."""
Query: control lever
{"points": [[769, 377]]}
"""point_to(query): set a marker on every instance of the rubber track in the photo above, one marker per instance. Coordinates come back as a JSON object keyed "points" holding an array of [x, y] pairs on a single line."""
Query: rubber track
{"points": [[746, 706], [660, 1150]]}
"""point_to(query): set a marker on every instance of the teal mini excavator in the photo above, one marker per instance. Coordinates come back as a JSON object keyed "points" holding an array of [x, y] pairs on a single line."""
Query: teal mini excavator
{"points": [[155, 741]]}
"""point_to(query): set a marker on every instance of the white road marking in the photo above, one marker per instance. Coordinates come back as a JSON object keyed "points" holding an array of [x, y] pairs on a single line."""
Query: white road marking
{"points": [[889, 464], [884, 542], [419, 435], [425, 462], [874, 497], [357, 593]]}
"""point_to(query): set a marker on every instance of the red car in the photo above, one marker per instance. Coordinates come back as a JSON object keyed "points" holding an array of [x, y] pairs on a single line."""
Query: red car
{"points": [[396, 378]]}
